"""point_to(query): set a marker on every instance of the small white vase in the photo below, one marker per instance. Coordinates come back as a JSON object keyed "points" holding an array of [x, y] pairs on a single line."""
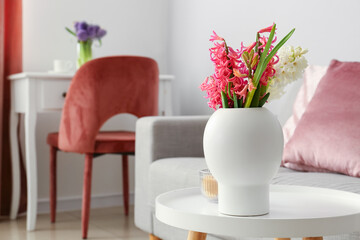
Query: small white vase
{"points": [[243, 149]]}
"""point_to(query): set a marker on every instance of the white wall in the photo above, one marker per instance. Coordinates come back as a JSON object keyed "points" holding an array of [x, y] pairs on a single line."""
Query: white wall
{"points": [[176, 34], [328, 28], [135, 27]]}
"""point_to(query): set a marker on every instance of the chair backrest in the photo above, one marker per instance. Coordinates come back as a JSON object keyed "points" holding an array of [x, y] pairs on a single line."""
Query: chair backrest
{"points": [[102, 88]]}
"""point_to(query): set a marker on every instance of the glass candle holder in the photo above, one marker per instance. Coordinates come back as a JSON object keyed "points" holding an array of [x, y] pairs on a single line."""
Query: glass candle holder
{"points": [[209, 186]]}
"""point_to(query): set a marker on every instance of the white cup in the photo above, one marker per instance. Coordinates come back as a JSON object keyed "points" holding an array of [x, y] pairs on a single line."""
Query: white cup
{"points": [[62, 65]]}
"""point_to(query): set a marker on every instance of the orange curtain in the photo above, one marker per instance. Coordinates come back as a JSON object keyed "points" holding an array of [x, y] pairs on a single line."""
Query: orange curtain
{"points": [[10, 62]]}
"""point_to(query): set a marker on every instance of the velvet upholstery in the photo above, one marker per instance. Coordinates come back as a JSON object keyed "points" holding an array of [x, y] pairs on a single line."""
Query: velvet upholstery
{"points": [[326, 138], [312, 77], [105, 142], [102, 88]]}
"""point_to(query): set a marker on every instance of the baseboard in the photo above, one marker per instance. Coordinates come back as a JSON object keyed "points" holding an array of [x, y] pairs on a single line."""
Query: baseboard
{"points": [[74, 203]]}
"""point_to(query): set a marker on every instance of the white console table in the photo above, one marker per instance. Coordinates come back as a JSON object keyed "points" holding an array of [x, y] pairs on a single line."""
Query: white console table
{"points": [[33, 93]]}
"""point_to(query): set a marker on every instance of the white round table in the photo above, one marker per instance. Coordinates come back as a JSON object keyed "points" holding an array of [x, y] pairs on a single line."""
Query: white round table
{"points": [[295, 211]]}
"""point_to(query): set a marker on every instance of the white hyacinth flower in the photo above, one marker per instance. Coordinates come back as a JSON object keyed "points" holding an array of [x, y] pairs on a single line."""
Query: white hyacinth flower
{"points": [[290, 67]]}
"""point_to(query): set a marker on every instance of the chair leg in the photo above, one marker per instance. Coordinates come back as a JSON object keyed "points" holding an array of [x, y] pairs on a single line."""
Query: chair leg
{"points": [[53, 152], [125, 173], [86, 195]]}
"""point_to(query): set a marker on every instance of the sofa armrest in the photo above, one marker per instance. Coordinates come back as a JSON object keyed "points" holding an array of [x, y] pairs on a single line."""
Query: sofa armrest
{"points": [[165, 137], [162, 137]]}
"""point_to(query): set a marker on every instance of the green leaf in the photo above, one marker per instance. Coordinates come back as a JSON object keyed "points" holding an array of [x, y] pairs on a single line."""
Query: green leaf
{"points": [[258, 72], [240, 102], [276, 49], [236, 103], [260, 68], [71, 32], [255, 101], [257, 42], [224, 100], [251, 55], [246, 56], [267, 86], [278, 46], [263, 90], [264, 99], [262, 64], [229, 88]]}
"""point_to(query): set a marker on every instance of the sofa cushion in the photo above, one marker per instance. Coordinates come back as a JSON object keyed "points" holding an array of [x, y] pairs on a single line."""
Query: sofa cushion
{"points": [[335, 181], [312, 77], [174, 173], [327, 135]]}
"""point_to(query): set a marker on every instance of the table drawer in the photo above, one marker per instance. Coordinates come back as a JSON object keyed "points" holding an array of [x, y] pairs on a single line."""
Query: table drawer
{"points": [[52, 94]]}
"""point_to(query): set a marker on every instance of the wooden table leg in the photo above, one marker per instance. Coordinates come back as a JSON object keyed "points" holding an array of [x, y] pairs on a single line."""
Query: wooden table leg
{"points": [[313, 238], [153, 237], [196, 236]]}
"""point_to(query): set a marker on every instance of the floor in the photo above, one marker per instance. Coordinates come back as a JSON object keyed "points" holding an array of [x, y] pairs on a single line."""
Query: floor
{"points": [[105, 223]]}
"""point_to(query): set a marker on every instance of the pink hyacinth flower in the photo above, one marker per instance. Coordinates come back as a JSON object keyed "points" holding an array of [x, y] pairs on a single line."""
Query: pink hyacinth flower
{"points": [[267, 29], [243, 93], [249, 48], [237, 73], [251, 86], [215, 37]]}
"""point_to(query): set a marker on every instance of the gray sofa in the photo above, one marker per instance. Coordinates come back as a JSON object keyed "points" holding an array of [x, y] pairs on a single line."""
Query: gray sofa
{"points": [[169, 156]]}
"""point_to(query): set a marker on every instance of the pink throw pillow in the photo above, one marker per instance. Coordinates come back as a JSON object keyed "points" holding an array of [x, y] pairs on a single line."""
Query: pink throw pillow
{"points": [[327, 137], [312, 76]]}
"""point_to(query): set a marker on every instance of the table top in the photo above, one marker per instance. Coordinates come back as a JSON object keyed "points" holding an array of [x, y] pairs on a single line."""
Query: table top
{"points": [[60, 75], [295, 211]]}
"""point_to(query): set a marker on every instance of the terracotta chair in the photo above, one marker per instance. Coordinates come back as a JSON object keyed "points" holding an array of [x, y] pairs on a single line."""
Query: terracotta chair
{"points": [[100, 89]]}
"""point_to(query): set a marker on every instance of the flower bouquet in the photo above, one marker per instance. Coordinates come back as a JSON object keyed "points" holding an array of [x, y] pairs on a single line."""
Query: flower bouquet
{"points": [[243, 142], [86, 34], [248, 77]]}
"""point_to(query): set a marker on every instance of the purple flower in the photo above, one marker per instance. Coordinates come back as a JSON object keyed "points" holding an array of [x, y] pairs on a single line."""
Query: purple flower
{"points": [[76, 25], [82, 35], [92, 30], [100, 33], [84, 31], [83, 26]]}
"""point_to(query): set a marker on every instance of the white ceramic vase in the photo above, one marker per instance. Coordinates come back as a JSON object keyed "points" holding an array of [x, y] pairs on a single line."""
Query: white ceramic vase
{"points": [[243, 149]]}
